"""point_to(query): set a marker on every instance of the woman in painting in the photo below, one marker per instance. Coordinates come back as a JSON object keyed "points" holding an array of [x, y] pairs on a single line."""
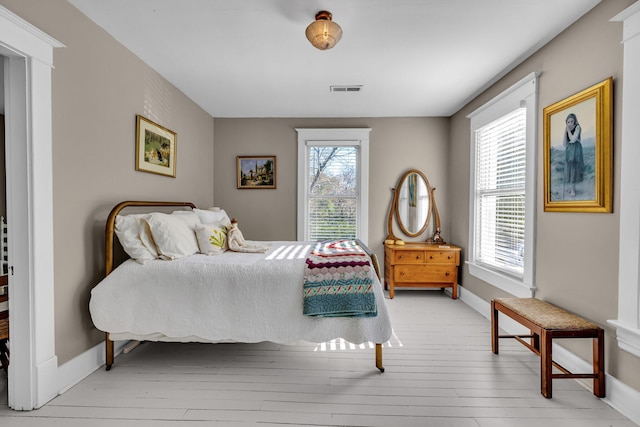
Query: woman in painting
{"points": [[574, 162]]}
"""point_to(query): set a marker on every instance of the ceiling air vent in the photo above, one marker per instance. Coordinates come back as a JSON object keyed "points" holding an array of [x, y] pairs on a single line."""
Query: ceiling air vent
{"points": [[345, 89]]}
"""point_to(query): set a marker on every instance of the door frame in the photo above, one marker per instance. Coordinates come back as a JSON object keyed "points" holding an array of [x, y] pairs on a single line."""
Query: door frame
{"points": [[28, 60]]}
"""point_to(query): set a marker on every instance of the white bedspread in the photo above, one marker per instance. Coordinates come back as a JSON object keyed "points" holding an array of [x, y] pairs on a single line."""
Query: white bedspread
{"points": [[243, 297]]}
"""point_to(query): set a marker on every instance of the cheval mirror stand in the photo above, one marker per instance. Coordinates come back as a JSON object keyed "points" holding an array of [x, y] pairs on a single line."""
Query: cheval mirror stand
{"points": [[417, 264]]}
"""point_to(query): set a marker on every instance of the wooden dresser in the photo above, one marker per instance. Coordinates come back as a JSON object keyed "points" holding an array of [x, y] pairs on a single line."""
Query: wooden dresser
{"points": [[421, 265]]}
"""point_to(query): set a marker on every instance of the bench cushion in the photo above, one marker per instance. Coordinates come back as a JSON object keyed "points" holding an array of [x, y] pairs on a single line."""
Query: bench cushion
{"points": [[546, 315]]}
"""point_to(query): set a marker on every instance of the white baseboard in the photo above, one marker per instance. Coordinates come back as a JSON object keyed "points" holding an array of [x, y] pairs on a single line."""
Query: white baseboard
{"points": [[80, 367], [47, 373], [620, 396]]}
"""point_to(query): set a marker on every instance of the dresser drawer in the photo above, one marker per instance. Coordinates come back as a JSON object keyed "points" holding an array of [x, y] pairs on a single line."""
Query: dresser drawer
{"points": [[425, 273], [441, 257], [409, 257]]}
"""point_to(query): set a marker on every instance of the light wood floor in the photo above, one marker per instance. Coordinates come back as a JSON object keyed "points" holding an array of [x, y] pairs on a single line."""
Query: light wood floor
{"points": [[440, 371]]}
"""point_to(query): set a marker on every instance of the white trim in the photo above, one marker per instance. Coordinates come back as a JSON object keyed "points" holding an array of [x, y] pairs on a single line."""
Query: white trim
{"points": [[501, 281], [347, 136], [27, 39], [628, 322], [630, 17], [522, 94], [628, 338], [83, 365], [27, 71], [619, 395]]}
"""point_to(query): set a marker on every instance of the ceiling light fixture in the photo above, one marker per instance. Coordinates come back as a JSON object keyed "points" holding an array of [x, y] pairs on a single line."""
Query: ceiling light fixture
{"points": [[323, 33]]}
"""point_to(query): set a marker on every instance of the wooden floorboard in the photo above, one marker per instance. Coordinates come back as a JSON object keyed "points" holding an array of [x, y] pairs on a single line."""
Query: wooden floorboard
{"points": [[440, 371]]}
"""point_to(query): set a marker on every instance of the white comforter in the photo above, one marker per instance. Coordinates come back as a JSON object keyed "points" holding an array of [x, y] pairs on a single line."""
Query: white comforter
{"points": [[242, 297]]}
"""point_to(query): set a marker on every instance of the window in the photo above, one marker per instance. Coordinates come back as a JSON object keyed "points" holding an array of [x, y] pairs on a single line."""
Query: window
{"points": [[500, 179], [333, 184], [502, 196]]}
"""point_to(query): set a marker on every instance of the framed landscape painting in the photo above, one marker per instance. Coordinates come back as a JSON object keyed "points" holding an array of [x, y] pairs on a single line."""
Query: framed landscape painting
{"points": [[578, 151], [256, 172], [155, 148]]}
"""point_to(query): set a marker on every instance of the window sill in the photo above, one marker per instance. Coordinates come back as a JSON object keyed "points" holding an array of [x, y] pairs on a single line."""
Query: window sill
{"points": [[501, 281], [628, 337]]}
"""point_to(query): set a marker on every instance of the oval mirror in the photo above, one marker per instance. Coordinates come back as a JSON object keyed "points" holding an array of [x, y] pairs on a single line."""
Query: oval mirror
{"points": [[413, 203]]}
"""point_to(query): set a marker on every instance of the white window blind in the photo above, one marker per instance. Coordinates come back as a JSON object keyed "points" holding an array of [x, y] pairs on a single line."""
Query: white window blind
{"points": [[332, 192], [500, 193]]}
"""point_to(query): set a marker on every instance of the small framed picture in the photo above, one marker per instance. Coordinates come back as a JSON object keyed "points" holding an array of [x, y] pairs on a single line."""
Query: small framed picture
{"points": [[256, 172], [155, 148], [578, 151]]}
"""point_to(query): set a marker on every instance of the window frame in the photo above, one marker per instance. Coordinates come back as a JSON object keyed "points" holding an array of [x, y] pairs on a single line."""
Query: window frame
{"points": [[521, 95], [358, 137], [627, 324]]}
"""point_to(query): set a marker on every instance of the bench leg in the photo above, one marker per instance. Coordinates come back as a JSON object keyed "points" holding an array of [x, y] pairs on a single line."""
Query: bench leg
{"points": [[535, 341], [598, 365], [494, 328], [546, 363]]}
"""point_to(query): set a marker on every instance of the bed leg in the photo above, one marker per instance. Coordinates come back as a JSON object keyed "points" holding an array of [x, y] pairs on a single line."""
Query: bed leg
{"points": [[109, 348], [379, 357]]}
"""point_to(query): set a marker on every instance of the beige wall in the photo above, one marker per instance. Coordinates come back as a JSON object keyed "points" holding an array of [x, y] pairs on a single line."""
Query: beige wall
{"points": [[98, 88], [396, 144], [577, 253]]}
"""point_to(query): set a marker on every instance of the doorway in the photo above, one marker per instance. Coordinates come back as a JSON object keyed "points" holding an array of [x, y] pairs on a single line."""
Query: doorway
{"points": [[28, 59]]}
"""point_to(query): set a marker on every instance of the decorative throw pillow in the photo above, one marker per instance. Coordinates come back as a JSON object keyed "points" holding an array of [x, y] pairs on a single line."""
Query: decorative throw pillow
{"points": [[173, 234], [127, 228], [212, 238]]}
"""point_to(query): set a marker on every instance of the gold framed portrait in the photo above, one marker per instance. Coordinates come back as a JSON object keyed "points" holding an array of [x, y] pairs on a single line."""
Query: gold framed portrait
{"points": [[578, 158]]}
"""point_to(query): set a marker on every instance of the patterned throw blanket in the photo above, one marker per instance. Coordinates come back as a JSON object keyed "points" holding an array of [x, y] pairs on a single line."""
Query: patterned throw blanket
{"points": [[338, 281]]}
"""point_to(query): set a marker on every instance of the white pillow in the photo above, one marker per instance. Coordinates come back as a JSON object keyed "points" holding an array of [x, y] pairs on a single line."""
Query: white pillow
{"points": [[147, 238], [213, 216], [127, 228], [173, 234], [189, 217], [212, 238]]}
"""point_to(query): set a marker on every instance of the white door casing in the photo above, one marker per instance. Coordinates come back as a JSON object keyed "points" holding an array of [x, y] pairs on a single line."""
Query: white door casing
{"points": [[28, 62]]}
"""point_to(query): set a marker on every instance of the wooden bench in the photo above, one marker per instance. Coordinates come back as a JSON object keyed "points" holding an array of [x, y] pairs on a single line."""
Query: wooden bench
{"points": [[546, 322]]}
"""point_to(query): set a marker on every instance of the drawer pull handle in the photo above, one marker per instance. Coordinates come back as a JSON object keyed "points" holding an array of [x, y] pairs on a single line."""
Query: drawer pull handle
{"points": [[447, 274], [402, 273], [449, 257], [430, 256], [400, 257], [417, 256]]}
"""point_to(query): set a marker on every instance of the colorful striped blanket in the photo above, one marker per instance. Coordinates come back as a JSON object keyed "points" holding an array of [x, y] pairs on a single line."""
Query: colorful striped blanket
{"points": [[338, 281]]}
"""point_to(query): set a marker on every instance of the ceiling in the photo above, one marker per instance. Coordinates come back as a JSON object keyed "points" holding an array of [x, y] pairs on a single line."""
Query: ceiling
{"points": [[413, 58]]}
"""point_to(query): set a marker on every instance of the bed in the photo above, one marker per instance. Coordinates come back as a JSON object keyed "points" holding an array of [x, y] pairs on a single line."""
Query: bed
{"points": [[229, 297]]}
